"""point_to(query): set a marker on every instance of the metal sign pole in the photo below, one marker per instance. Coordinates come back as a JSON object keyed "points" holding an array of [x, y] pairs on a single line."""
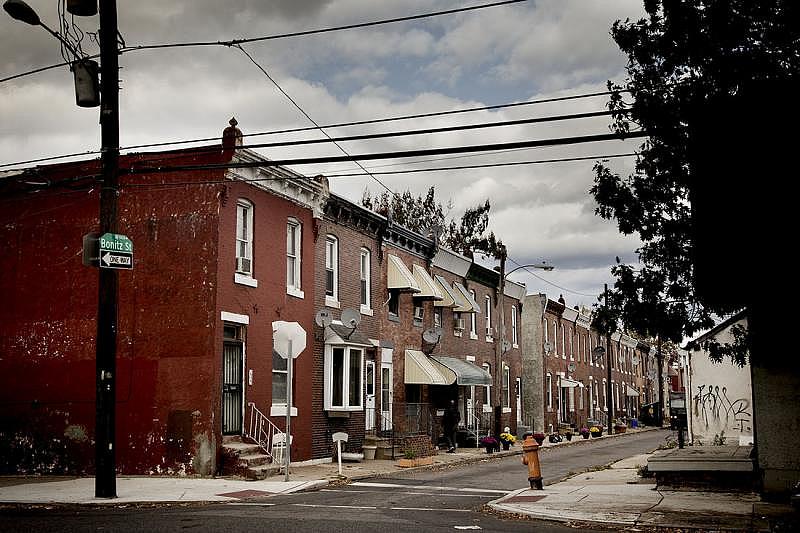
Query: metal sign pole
{"points": [[288, 440]]}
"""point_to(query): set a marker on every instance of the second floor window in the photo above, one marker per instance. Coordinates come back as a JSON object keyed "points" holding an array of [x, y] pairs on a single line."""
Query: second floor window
{"points": [[473, 327], [332, 267], [366, 274], [514, 338], [293, 255], [244, 237], [488, 302]]}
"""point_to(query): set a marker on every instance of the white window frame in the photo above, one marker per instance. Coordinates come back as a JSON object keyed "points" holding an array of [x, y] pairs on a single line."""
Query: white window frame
{"points": [[244, 238], [294, 261], [332, 266], [365, 277], [473, 320], [347, 404], [278, 408], [487, 404], [514, 338], [487, 301], [506, 388], [563, 341], [549, 384], [571, 343], [546, 332]]}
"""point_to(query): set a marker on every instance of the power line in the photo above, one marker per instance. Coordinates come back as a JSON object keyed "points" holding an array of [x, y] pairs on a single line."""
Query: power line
{"points": [[292, 100], [487, 165], [550, 282], [234, 42], [582, 139]]}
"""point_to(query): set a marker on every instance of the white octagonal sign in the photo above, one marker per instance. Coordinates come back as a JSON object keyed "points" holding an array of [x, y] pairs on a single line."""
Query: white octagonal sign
{"points": [[288, 337]]}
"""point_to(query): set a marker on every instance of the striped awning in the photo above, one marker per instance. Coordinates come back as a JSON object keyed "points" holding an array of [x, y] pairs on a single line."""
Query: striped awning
{"points": [[399, 277], [570, 383], [632, 392], [427, 287], [467, 303], [423, 370], [466, 373], [449, 298]]}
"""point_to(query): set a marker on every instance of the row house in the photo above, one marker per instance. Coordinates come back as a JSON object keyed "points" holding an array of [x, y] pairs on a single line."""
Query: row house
{"points": [[219, 255], [223, 251], [568, 362]]}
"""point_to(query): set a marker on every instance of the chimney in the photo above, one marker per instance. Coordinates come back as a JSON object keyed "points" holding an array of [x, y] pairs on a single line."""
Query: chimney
{"points": [[231, 138]]}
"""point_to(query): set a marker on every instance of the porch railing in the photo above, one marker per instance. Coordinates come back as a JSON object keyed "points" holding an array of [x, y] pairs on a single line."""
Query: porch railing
{"points": [[260, 429]]}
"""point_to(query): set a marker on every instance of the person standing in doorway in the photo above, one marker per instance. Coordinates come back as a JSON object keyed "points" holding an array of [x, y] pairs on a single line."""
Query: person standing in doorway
{"points": [[450, 422]]}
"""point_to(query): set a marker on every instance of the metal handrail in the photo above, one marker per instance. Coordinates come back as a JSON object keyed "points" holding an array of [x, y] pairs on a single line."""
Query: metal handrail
{"points": [[261, 430]]}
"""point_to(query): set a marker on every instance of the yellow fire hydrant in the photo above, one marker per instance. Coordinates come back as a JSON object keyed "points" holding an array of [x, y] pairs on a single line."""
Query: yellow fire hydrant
{"points": [[530, 457]]}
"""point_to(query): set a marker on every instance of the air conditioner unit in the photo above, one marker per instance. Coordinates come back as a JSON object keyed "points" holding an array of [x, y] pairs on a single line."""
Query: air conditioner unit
{"points": [[458, 324], [243, 265], [419, 312]]}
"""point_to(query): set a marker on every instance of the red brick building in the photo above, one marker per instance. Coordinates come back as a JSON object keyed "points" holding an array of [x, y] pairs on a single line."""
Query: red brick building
{"points": [[216, 261]]}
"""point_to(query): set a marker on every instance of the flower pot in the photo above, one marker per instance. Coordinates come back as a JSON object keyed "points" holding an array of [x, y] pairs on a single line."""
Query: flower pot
{"points": [[585, 435], [369, 452], [506, 445], [568, 436], [539, 440]]}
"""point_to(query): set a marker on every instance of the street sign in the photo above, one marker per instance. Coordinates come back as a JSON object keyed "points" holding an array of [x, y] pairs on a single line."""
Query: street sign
{"points": [[288, 337], [115, 251]]}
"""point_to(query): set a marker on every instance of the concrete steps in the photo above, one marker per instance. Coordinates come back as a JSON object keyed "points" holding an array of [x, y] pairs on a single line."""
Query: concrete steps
{"points": [[246, 460]]}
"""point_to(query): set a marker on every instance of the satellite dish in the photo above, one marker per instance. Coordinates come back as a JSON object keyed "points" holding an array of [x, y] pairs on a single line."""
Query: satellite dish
{"points": [[571, 367], [351, 318], [651, 373], [506, 346], [635, 360], [323, 318], [548, 348], [598, 352], [431, 336]]}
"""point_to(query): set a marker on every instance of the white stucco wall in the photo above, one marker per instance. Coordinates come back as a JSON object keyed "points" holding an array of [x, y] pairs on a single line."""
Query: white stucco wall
{"points": [[720, 397]]}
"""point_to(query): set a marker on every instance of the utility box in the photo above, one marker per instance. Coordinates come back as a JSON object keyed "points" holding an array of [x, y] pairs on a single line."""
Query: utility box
{"points": [[677, 409]]}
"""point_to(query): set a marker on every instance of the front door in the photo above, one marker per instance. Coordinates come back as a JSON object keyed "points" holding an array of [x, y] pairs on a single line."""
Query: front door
{"points": [[232, 397], [370, 397], [386, 396]]}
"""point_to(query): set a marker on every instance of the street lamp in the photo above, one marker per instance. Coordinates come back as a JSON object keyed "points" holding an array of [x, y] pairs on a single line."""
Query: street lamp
{"points": [[106, 345], [87, 86], [499, 347]]}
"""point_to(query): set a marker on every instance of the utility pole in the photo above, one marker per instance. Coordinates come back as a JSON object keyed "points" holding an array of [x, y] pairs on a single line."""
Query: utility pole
{"points": [[106, 361], [659, 358], [609, 359], [498, 348]]}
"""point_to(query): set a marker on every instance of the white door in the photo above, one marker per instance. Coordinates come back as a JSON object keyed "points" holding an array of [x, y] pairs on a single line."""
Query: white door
{"points": [[370, 396], [386, 396], [470, 401]]}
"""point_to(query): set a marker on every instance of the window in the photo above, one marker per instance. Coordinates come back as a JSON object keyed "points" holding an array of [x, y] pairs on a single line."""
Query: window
{"points": [[331, 268], [506, 386], [344, 370], [366, 279], [571, 344], [472, 320], [394, 303], [280, 373], [488, 302], [514, 339], [546, 334], [581, 393], [293, 258], [563, 342], [549, 385], [244, 237], [437, 317], [488, 388]]}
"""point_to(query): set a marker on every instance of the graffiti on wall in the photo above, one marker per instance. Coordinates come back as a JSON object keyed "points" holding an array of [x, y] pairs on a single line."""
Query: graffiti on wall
{"points": [[711, 404]]}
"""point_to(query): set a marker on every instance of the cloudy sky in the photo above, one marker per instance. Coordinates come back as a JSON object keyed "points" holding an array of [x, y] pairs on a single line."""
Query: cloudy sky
{"points": [[516, 53]]}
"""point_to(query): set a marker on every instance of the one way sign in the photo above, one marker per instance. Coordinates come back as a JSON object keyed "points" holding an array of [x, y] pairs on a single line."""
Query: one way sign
{"points": [[109, 250], [116, 260]]}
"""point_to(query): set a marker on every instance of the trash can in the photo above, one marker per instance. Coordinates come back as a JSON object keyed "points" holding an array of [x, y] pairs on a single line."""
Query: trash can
{"points": [[634, 423]]}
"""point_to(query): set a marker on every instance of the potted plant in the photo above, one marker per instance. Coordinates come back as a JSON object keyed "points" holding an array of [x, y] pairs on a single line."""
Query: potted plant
{"points": [[490, 443], [568, 434], [410, 459], [596, 431], [507, 439], [584, 431], [539, 438], [620, 426]]}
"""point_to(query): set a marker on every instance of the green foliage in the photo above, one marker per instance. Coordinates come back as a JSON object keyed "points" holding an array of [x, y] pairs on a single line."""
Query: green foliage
{"points": [[682, 56], [425, 215], [643, 471], [410, 453]]}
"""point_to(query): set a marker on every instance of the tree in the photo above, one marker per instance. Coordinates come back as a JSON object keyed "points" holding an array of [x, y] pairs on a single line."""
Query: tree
{"points": [[684, 57], [423, 214]]}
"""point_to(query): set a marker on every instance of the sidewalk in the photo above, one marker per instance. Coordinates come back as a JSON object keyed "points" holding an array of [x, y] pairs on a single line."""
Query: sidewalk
{"points": [[618, 497], [132, 489]]}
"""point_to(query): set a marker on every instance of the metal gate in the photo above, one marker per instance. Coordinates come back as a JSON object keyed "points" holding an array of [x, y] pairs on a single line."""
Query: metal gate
{"points": [[232, 377]]}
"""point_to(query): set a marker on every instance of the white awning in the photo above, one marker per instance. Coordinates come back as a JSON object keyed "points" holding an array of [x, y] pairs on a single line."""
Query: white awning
{"points": [[466, 372], [399, 277], [449, 298], [632, 392], [467, 303], [427, 287], [339, 334], [422, 370], [570, 383]]}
